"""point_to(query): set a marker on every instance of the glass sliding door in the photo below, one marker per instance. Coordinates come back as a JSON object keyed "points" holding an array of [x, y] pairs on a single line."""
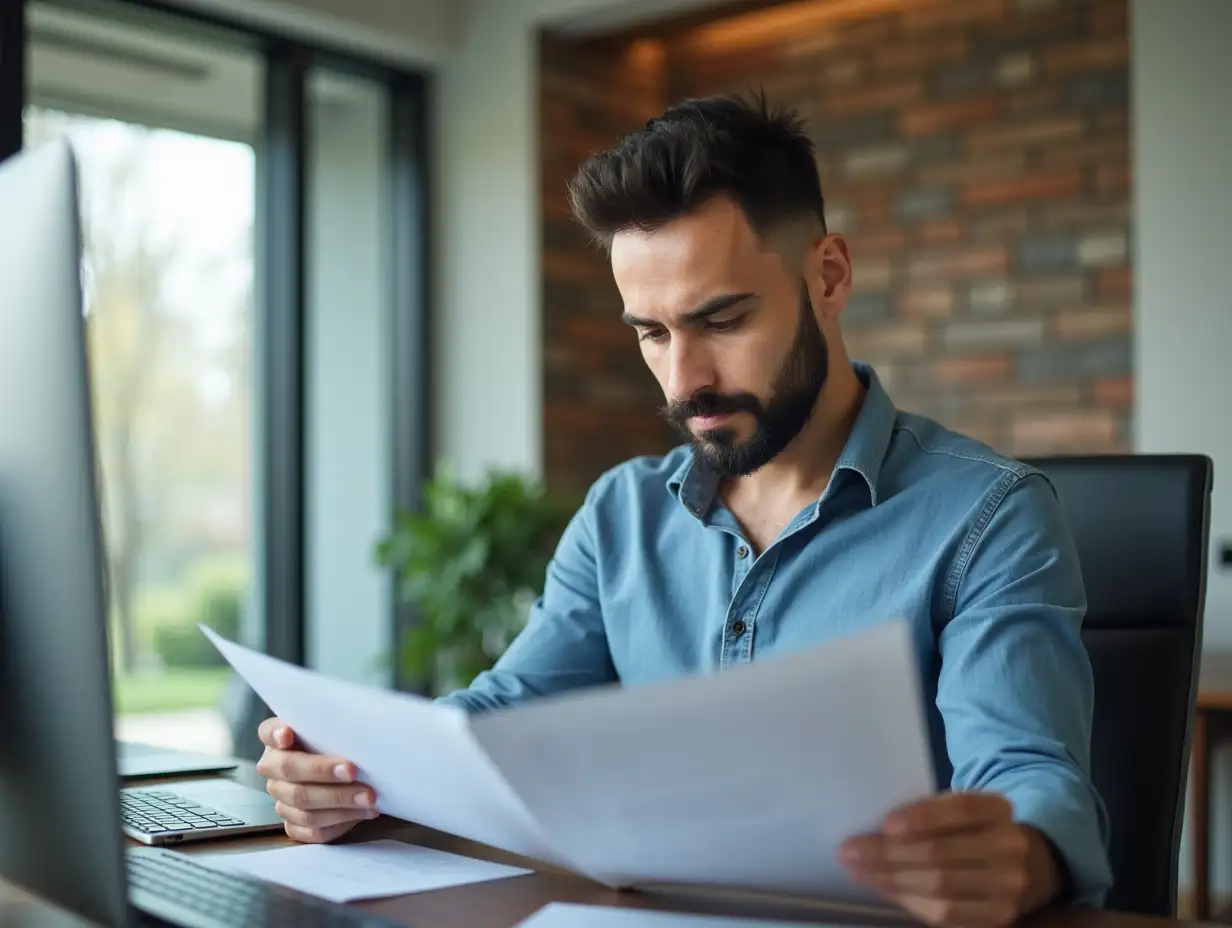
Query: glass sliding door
{"points": [[163, 126]]}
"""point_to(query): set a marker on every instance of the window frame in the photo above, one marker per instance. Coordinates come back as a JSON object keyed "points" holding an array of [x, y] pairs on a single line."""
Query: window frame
{"points": [[280, 310]]}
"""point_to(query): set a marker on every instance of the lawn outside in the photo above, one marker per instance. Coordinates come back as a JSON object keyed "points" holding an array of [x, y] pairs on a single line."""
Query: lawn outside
{"points": [[170, 689]]}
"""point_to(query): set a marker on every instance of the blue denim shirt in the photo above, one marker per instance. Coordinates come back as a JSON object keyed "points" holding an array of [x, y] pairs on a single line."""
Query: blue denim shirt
{"points": [[652, 579]]}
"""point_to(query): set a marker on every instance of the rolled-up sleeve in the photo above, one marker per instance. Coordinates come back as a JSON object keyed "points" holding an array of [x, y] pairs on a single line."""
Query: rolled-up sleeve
{"points": [[1015, 689]]}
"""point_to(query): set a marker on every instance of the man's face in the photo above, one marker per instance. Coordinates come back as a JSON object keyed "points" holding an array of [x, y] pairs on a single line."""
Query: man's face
{"points": [[729, 334]]}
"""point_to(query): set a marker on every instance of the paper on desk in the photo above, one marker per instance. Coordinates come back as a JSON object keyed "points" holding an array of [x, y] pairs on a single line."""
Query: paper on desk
{"points": [[419, 757], [572, 915], [750, 778], [371, 870]]}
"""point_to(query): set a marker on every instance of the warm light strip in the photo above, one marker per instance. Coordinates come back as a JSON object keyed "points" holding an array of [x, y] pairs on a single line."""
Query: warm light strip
{"points": [[789, 19], [646, 53]]}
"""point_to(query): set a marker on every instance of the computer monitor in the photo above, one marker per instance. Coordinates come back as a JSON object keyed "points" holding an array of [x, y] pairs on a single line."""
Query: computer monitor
{"points": [[56, 723], [63, 809]]}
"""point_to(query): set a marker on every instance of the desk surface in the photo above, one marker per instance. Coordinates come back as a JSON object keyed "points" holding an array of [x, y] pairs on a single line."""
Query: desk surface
{"points": [[503, 903]]}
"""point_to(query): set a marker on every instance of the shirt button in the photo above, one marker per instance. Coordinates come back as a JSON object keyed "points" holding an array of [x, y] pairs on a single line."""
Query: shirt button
{"points": [[742, 552], [737, 628]]}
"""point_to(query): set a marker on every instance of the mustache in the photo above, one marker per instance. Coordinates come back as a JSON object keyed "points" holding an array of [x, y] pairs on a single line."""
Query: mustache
{"points": [[708, 403]]}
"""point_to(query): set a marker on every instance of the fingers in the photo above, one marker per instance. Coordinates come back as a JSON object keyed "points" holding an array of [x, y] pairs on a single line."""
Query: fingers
{"points": [[323, 819], [972, 878], [953, 883], [313, 797], [956, 811], [316, 835], [300, 767], [875, 853], [959, 913], [280, 762], [986, 848], [273, 733]]}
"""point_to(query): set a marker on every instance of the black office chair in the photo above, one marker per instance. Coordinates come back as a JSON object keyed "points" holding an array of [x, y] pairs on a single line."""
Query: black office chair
{"points": [[1141, 523]]}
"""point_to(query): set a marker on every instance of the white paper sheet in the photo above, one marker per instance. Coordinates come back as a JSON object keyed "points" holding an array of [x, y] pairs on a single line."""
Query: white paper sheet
{"points": [[370, 870], [419, 757], [572, 915], [750, 778]]}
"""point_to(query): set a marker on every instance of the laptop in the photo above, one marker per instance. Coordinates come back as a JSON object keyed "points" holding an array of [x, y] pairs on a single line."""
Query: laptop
{"points": [[195, 810], [62, 806], [191, 811], [137, 761]]}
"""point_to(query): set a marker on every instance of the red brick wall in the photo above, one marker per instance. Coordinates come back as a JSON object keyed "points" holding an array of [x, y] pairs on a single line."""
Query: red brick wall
{"points": [[976, 155], [599, 400]]}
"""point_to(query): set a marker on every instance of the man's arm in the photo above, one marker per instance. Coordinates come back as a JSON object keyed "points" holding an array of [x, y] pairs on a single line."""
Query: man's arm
{"points": [[1016, 689], [563, 645]]}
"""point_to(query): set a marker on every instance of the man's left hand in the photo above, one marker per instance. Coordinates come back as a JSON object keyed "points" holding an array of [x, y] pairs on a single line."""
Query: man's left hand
{"points": [[958, 860]]}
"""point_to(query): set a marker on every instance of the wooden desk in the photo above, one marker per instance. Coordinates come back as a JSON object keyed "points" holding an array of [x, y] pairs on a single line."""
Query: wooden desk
{"points": [[503, 903], [1212, 723]]}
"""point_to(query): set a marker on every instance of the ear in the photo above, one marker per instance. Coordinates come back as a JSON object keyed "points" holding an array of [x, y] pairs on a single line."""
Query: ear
{"points": [[830, 269]]}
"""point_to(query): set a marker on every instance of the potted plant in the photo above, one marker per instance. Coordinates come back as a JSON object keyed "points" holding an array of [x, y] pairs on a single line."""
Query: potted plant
{"points": [[471, 563]]}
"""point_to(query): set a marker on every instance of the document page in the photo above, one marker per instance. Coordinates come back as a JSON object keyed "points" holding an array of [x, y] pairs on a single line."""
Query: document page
{"points": [[749, 778], [419, 757], [573, 915], [369, 870]]}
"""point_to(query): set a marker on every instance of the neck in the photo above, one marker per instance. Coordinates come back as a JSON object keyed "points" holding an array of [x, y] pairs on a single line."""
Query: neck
{"points": [[801, 471]]}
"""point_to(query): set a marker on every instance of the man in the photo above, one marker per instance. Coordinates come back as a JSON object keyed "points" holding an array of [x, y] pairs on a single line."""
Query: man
{"points": [[803, 506]]}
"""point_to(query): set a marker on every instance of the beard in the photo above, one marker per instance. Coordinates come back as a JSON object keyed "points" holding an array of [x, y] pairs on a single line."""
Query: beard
{"points": [[776, 421]]}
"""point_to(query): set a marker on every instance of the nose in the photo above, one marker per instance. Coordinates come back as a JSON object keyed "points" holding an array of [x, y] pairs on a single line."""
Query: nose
{"points": [[688, 368]]}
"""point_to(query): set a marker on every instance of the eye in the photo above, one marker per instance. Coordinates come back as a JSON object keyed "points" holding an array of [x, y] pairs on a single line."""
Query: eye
{"points": [[652, 335], [724, 325]]}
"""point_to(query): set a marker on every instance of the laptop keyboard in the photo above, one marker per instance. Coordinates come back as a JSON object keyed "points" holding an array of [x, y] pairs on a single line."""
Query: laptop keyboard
{"points": [[176, 889], [159, 811]]}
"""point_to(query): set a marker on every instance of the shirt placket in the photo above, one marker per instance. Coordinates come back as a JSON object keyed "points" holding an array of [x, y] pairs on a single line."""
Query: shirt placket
{"points": [[749, 590], [750, 581]]}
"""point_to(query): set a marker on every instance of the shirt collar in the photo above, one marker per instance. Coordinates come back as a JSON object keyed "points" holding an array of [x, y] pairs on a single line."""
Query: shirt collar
{"points": [[866, 447], [695, 485]]}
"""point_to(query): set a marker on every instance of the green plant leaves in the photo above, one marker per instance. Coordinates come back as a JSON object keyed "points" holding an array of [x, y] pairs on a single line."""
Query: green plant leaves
{"points": [[471, 563]]}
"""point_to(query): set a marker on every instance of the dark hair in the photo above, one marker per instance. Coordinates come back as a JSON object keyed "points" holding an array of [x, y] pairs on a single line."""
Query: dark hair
{"points": [[698, 149]]}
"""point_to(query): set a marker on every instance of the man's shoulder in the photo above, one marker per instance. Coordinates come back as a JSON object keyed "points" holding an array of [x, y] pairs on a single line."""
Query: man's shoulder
{"points": [[923, 451], [1000, 516]]}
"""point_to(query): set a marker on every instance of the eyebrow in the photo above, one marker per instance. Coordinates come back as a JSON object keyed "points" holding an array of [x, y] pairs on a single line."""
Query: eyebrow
{"points": [[709, 308]]}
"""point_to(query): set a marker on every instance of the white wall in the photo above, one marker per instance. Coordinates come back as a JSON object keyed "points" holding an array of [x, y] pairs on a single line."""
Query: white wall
{"points": [[348, 623], [1183, 205], [1182, 125], [487, 324]]}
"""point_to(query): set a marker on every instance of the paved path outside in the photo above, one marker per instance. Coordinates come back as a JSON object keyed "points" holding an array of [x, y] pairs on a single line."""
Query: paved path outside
{"points": [[202, 730]]}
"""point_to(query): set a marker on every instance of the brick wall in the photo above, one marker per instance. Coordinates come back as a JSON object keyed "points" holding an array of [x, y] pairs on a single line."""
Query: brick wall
{"points": [[974, 152], [599, 400]]}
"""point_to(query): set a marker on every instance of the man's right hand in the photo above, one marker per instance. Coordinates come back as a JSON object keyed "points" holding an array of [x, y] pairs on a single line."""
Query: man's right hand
{"points": [[317, 796]]}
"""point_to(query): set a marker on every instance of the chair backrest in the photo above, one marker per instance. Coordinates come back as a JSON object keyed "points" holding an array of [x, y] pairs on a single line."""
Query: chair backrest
{"points": [[1141, 523]]}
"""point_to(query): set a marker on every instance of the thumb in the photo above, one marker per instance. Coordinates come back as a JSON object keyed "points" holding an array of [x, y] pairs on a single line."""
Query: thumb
{"points": [[275, 733]]}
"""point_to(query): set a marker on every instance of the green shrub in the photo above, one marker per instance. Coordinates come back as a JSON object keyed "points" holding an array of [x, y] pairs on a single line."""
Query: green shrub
{"points": [[185, 646], [471, 564], [218, 591], [160, 607], [213, 594]]}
